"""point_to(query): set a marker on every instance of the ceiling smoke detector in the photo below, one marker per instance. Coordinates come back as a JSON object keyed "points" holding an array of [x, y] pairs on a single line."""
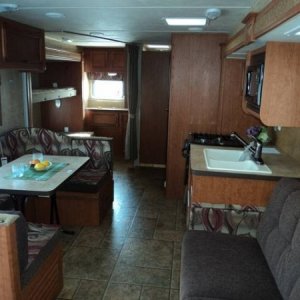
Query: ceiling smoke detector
{"points": [[213, 13]]}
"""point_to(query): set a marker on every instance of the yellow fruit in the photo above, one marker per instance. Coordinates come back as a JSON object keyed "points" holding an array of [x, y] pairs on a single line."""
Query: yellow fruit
{"points": [[45, 163], [39, 166]]}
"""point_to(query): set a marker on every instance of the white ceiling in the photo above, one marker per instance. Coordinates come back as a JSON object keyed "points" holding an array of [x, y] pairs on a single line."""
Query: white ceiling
{"points": [[140, 21]]}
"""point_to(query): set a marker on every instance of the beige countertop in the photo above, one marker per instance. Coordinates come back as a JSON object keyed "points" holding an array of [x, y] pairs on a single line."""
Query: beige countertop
{"points": [[281, 165], [106, 109]]}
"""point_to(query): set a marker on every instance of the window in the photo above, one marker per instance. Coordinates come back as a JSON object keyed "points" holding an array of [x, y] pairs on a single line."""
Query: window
{"points": [[107, 89]]}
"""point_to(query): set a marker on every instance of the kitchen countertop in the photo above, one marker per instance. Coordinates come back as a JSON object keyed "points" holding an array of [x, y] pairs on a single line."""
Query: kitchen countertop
{"points": [[106, 109], [281, 165]]}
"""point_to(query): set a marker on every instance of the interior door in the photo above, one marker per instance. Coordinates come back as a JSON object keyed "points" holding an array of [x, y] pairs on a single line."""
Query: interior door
{"points": [[155, 85]]}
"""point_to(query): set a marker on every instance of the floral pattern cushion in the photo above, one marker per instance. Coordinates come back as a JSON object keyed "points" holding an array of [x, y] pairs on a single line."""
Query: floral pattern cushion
{"points": [[28, 140], [226, 218], [99, 152]]}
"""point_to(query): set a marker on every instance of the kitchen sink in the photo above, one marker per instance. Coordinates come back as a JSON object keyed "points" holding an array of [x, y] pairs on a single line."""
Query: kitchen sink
{"points": [[232, 160]]}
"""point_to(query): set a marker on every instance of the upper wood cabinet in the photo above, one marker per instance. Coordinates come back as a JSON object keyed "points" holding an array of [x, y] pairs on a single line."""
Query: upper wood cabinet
{"points": [[22, 47], [104, 60], [280, 104]]}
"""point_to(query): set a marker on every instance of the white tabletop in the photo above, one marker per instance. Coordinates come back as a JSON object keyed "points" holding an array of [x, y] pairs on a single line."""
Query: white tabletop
{"points": [[35, 187]]}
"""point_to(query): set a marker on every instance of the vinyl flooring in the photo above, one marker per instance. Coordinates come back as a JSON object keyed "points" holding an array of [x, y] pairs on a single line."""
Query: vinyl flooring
{"points": [[135, 252]]}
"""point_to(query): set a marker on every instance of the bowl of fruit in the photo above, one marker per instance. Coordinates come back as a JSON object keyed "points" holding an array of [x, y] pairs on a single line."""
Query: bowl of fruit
{"points": [[40, 165]]}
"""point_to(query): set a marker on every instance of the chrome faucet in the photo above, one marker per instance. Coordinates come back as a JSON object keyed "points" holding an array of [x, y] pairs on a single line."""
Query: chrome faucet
{"points": [[254, 147]]}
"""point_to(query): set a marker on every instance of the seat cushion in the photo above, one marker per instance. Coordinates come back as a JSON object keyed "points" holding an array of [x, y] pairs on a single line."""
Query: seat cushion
{"points": [[279, 237], [85, 181], [41, 241], [222, 266]]}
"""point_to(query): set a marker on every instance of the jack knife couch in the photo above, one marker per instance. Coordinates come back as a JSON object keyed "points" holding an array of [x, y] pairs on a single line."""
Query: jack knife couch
{"points": [[218, 266], [87, 196]]}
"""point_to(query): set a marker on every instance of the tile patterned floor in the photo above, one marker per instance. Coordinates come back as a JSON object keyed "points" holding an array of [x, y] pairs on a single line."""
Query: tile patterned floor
{"points": [[135, 253]]}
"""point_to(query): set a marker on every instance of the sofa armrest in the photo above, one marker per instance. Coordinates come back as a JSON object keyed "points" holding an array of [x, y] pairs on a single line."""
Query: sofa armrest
{"points": [[99, 149]]}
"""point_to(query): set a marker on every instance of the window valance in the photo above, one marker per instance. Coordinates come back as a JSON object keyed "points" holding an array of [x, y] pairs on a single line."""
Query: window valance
{"points": [[105, 76]]}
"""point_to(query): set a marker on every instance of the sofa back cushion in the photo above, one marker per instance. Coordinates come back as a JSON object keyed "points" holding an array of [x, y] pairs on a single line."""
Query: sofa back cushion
{"points": [[99, 152], [22, 141], [50, 142], [279, 237]]}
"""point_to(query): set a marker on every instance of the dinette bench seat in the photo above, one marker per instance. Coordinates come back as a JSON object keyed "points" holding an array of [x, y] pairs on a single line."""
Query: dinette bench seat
{"points": [[87, 196], [30, 258]]}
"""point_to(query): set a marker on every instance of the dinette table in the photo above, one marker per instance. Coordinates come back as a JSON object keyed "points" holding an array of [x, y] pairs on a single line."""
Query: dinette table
{"points": [[40, 183]]}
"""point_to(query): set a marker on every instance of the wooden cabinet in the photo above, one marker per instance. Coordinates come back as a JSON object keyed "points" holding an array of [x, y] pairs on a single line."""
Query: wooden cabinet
{"points": [[22, 46], [230, 190], [281, 89], [111, 124], [104, 60]]}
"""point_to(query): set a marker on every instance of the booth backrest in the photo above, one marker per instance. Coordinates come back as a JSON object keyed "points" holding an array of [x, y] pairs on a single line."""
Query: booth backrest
{"points": [[279, 237], [18, 142]]}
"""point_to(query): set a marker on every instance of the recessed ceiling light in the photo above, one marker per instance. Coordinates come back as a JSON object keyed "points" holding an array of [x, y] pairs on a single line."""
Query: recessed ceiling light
{"points": [[152, 46], [54, 15], [4, 7], [186, 21]]}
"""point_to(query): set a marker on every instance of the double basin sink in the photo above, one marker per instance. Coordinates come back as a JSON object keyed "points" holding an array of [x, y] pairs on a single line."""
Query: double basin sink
{"points": [[235, 161]]}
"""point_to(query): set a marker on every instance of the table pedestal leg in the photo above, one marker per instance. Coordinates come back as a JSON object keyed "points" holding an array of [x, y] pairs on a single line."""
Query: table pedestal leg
{"points": [[54, 216]]}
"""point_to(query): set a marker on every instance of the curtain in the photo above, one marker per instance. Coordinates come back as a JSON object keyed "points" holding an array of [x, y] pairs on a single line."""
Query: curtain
{"points": [[105, 76], [132, 96]]}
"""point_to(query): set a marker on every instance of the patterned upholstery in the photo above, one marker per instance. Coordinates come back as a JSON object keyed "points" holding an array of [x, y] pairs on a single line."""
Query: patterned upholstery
{"points": [[99, 152], [22, 141], [226, 218]]}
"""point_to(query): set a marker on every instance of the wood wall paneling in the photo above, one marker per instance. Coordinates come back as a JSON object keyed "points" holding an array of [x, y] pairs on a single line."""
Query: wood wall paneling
{"points": [[194, 97], [154, 107], [232, 116]]}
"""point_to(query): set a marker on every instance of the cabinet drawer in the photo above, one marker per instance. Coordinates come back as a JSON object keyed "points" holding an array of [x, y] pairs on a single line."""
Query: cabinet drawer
{"points": [[106, 120]]}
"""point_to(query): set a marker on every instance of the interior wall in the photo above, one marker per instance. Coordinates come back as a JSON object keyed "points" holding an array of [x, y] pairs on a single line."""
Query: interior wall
{"points": [[194, 98], [288, 141], [11, 100]]}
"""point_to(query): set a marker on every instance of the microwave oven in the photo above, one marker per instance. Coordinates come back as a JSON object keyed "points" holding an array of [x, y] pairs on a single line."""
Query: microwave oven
{"points": [[254, 84]]}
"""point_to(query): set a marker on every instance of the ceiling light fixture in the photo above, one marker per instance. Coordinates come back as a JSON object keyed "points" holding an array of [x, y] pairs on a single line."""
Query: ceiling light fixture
{"points": [[54, 15], [7, 7], [152, 46], [186, 21]]}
